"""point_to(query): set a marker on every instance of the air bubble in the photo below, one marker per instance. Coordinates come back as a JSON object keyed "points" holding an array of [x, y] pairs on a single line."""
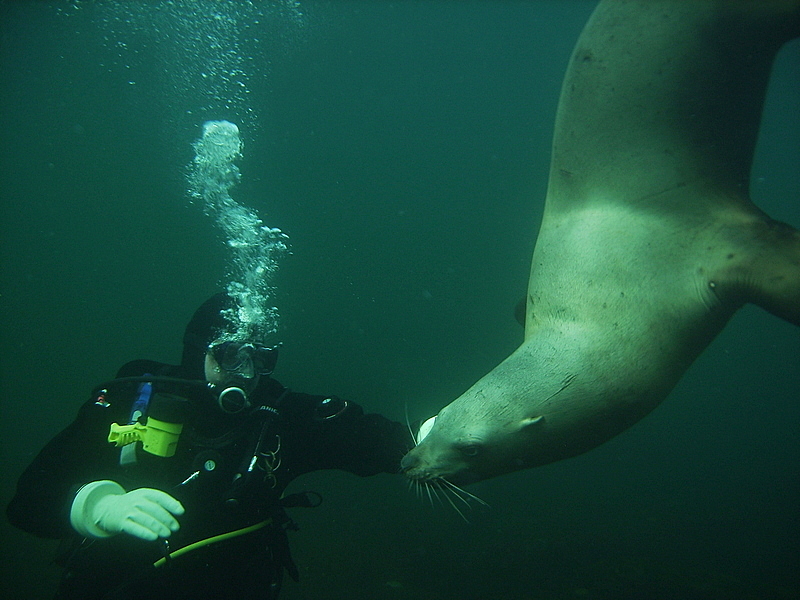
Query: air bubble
{"points": [[255, 248]]}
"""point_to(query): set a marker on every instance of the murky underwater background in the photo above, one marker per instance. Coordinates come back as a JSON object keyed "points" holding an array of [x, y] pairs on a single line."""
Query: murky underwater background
{"points": [[404, 148]]}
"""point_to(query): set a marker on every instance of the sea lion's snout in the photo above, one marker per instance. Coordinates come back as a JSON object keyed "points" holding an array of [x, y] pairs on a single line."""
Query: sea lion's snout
{"points": [[415, 466], [425, 466], [412, 464], [409, 462], [426, 462]]}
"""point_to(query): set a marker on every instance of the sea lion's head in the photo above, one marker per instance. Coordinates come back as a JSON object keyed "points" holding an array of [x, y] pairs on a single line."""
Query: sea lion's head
{"points": [[462, 446]]}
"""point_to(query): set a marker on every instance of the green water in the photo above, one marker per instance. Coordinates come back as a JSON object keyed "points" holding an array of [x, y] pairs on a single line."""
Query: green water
{"points": [[404, 149]]}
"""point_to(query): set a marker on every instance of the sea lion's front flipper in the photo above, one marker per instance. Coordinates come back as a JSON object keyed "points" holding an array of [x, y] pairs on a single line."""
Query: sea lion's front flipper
{"points": [[659, 112], [763, 267]]}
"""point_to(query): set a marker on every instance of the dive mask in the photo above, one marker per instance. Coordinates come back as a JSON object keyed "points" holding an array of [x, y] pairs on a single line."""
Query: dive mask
{"points": [[245, 359], [243, 362]]}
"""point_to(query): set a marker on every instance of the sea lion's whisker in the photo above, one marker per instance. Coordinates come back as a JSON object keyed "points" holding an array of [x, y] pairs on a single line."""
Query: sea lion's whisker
{"points": [[457, 490], [435, 489], [408, 424], [454, 490], [455, 508], [428, 491], [438, 487]]}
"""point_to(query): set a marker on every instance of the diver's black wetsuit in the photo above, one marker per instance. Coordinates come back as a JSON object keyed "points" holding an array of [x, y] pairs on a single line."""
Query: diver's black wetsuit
{"points": [[299, 433]]}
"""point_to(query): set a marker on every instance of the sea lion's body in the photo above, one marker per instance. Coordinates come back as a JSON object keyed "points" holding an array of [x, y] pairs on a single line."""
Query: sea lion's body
{"points": [[649, 242]]}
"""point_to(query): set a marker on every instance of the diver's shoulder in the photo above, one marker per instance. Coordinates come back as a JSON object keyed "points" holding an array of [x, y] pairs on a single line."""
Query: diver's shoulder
{"points": [[141, 366]]}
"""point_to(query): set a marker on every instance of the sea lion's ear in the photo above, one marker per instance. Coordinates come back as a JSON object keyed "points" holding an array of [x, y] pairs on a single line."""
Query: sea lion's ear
{"points": [[529, 421]]}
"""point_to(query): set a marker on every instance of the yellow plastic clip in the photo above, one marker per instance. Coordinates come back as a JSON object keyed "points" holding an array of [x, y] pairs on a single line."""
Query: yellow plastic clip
{"points": [[157, 437], [122, 435]]}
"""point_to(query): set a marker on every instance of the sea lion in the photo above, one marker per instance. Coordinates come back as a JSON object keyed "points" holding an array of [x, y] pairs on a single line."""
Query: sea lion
{"points": [[649, 242]]}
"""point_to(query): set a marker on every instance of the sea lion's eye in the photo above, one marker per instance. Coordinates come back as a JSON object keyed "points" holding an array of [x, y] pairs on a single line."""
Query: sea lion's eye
{"points": [[470, 449]]}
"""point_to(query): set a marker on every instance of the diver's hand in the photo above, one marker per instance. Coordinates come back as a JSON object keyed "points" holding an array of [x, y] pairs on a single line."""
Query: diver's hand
{"points": [[102, 509]]}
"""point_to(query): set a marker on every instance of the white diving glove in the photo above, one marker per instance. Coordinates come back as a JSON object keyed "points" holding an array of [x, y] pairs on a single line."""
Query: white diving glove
{"points": [[102, 508]]}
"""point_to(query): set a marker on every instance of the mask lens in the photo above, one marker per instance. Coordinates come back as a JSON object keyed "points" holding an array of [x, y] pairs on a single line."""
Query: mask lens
{"points": [[235, 357], [245, 359], [264, 360]]}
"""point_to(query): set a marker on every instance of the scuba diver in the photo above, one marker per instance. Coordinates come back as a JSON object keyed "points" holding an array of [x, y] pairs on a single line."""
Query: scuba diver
{"points": [[170, 481]]}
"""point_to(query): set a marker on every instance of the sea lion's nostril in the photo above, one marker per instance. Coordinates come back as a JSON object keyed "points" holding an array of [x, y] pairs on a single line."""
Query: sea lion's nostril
{"points": [[409, 461]]}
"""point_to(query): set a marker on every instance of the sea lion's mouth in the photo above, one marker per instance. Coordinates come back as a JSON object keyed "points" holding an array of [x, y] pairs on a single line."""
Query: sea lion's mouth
{"points": [[414, 466], [423, 475]]}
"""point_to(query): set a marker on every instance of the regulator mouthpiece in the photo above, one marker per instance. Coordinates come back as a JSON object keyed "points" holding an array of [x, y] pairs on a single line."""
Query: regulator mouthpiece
{"points": [[233, 399]]}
